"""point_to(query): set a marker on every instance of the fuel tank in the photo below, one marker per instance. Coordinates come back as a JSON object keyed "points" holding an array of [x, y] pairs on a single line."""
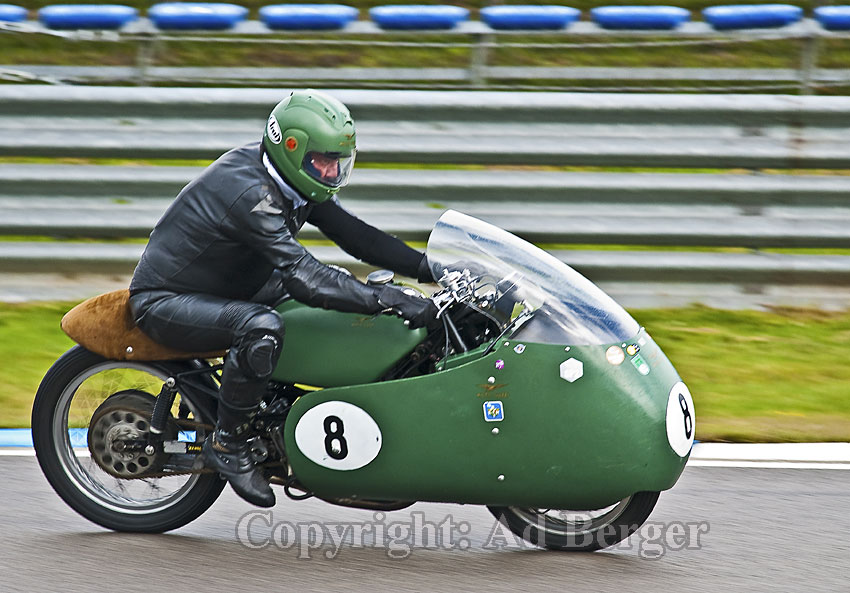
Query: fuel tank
{"points": [[333, 349]]}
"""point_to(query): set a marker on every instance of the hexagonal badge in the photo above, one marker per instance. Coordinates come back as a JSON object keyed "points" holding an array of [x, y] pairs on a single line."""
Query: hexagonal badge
{"points": [[571, 370]]}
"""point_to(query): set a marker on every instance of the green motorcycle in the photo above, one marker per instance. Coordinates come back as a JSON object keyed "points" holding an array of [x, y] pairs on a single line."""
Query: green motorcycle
{"points": [[537, 395]]}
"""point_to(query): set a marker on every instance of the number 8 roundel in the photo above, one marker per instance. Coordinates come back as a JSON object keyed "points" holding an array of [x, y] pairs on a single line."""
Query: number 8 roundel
{"points": [[338, 435], [681, 420]]}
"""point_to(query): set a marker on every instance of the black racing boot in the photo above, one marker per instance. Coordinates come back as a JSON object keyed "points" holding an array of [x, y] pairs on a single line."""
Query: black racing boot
{"points": [[247, 367], [230, 456]]}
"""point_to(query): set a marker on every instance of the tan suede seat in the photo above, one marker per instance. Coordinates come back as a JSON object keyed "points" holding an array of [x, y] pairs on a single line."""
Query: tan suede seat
{"points": [[104, 325]]}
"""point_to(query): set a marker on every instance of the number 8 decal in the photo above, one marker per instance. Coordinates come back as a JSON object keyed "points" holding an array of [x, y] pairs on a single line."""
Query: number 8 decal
{"points": [[338, 435], [334, 435], [681, 420], [687, 416]]}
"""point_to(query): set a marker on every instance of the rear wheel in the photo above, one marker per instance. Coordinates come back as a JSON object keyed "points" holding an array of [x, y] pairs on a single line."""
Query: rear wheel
{"points": [[579, 531], [89, 419]]}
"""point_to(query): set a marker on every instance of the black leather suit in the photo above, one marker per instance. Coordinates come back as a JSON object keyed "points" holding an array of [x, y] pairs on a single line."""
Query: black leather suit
{"points": [[225, 251]]}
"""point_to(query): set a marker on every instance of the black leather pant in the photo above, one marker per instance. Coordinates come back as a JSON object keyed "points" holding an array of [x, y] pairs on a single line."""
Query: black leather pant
{"points": [[252, 332]]}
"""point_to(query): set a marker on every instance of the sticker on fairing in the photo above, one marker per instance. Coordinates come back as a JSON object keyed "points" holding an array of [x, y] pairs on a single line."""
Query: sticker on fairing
{"points": [[338, 435], [681, 420], [640, 364], [273, 130], [494, 411]]}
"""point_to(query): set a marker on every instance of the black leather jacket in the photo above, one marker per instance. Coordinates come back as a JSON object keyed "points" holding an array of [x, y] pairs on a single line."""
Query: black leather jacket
{"points": [[231, 233]]}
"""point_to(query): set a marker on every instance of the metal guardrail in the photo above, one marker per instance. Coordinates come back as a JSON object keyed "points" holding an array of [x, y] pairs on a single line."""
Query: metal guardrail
{"points": [[751, 191], [748, 269], [537, 222], [743, 210], [488, 128], [754, 211], [752, 78]]}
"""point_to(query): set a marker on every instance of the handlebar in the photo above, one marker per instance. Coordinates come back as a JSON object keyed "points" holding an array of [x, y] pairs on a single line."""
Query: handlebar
{"points": [[459, 288]]}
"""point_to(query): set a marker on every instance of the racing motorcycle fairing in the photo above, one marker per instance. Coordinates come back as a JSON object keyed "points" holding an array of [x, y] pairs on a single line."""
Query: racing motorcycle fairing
{"points": [[572, 406], [554, 428]]}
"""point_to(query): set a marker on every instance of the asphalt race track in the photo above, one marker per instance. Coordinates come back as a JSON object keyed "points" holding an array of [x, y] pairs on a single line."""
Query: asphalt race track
{"points": [[719, 529]]}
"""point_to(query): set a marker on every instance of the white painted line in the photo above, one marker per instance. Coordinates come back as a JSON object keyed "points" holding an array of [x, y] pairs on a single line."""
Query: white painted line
{"points": [[30, 452], [25, 452], [773, 452], [830, 456], [767, 464]]}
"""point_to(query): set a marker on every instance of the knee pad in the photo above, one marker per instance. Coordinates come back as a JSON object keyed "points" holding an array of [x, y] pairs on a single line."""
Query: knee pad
{"points": [[260, 346], [258, 355]]}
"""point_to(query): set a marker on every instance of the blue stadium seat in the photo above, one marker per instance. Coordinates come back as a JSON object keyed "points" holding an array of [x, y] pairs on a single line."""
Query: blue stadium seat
{"points": [[196, 15], [752, 16], [418, 16], [639, 17], [833, 18], [87, 16], [529, 16], [12, 13], [308, 16]]}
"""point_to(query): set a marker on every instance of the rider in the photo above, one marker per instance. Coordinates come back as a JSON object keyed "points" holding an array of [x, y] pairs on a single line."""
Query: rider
{"points": [[225, 251]]}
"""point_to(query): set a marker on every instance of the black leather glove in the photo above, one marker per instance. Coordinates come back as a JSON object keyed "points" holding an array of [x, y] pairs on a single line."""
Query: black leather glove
{"points": [[418, 311], [423, 274]]}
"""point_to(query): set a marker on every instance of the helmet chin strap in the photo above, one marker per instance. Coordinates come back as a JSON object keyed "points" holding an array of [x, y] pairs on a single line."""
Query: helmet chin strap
{"points": [[288, 191]]}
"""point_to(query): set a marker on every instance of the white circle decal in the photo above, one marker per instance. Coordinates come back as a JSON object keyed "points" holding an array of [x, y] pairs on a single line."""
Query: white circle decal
{"points": [[338, 435], [273, 130], [681, 420]]}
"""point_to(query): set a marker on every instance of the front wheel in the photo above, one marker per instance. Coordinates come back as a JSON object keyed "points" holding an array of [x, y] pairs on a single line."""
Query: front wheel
{"points": [[578, 531], [87, 411]]}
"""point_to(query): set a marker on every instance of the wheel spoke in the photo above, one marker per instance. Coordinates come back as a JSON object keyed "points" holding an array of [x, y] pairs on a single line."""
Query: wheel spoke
{"points": [[80, 401], [570, 522]]}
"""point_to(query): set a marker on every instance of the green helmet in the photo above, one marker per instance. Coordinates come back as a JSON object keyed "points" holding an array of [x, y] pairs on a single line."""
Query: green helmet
{"points": [[310, 140]]}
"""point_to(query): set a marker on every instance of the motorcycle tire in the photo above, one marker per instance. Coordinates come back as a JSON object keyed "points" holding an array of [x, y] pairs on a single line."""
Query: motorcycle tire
{"points": [[578, 531], [72, 393]]}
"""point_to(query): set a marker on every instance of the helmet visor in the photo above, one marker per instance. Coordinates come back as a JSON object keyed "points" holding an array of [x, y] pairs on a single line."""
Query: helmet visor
{"points": [[328, 168]]}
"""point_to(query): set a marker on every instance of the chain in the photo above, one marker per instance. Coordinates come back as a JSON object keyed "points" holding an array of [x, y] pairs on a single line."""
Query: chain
{"points": [[186, 472], [181, 425]]}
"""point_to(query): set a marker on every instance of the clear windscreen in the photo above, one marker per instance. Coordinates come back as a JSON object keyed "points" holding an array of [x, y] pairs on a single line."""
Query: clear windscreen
{"points": [[544, 299]]}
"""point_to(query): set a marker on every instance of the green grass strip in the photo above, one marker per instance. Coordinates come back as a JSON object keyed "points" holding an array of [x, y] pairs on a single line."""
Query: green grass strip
{"points": [[778, 376]]}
